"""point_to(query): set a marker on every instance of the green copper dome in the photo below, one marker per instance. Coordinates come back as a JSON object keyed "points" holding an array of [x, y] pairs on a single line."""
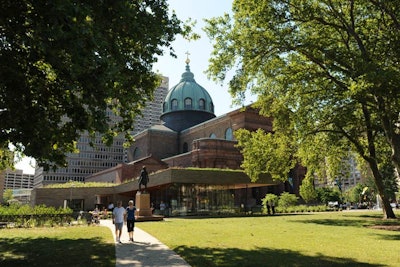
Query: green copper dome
{"points": [[188, 95], [187, 104]]}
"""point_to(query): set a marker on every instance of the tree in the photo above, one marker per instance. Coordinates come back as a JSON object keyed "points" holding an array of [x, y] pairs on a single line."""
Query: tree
{"points": [[326, 194], [307, 190], [7, 195], [354, 193], [66, 65], [326, 71]]}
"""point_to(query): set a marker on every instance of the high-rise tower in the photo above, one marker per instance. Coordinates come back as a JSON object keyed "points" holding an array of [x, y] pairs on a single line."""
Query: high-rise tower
{"points": [[100, 157]]}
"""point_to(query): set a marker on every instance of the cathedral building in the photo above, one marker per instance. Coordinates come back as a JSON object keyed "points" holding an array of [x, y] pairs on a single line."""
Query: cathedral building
{"points": [[193, 163]]}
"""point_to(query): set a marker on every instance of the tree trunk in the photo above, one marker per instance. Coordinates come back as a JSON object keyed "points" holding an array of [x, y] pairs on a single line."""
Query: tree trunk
{"points": [[392, 137], [395, 144], [387, 209]]}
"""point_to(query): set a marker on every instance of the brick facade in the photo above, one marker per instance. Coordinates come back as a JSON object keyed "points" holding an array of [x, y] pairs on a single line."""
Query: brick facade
{"points": [[127, 172]]}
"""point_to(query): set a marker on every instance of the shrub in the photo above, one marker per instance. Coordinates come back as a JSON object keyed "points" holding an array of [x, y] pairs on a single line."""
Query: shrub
{"points": [[302, 208], [26, 216], [286, 200], [269, 198]]}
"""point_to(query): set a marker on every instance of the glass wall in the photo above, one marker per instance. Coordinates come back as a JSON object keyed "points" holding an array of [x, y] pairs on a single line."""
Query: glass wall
{"points": [[185, 199], [199, 199]]}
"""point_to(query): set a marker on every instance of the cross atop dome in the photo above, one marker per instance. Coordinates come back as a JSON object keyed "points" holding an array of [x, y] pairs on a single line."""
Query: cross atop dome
{"points": [[187, 61]]}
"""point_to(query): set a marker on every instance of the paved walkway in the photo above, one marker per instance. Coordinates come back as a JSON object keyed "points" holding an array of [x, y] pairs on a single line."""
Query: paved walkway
{"points": [[146, 251]]}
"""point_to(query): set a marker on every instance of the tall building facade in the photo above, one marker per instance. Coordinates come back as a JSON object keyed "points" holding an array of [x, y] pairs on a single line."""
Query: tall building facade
{"points": [[19, 182], [94, 159], [350, 176]]}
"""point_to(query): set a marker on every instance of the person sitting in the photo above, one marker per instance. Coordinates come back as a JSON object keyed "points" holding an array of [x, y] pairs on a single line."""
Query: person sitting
{"points": [[105, 213]]}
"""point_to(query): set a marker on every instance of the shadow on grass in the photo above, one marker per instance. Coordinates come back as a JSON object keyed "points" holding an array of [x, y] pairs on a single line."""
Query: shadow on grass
{"points": [[372, 215], [370, 221], [231, 257], [338, 222], [56, 252], [359, 224], [389, 237]]}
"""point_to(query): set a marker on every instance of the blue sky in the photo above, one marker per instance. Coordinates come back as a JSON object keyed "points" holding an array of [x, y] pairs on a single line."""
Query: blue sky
{"points": [[199, 50]]}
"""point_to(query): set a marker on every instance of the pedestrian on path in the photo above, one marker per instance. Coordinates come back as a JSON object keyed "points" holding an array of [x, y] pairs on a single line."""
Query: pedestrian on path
{"points": [[119, 214], [273, 206], [162, 208], [148, 251], [130, 219]]}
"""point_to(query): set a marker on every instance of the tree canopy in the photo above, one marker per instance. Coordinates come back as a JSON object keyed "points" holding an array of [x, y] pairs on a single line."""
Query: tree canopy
{"points": [[67, 65], [328, 73]]}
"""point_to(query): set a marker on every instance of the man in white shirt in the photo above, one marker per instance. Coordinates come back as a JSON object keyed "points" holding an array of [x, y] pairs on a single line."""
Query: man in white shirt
{"points": [[118, 219]]}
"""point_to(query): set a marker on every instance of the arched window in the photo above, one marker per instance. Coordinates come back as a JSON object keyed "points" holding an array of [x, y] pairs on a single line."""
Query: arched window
{"points": [[188, 103], [185, 147], [229, 134], [213, 136], [136, 152], [212, 107], [165, 106], [202, 104], [174, 104]]}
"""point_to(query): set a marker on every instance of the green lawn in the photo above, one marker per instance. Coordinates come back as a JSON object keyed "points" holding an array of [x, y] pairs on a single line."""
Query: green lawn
{"points": [[321, 239], [57, 246]]}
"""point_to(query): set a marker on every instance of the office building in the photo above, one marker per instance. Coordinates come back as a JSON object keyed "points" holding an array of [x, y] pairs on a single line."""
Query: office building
{"points": [[90, 159]]}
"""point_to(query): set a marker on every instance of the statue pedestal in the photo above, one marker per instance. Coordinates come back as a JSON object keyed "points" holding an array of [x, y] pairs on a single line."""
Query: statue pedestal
{"points": [[143, 210], [143, 204]]}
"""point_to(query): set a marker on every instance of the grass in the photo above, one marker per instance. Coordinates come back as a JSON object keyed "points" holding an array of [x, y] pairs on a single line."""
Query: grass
{"points": [[314, 239], [320, 239], [57, 246]]}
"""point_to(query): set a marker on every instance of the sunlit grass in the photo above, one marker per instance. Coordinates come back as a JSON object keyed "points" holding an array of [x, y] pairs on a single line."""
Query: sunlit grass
{"points": [[57, 246], [320, 239]]}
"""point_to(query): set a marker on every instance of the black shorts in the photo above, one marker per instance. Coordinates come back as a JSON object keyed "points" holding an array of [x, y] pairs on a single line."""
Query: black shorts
{"points": [[130, 224]]}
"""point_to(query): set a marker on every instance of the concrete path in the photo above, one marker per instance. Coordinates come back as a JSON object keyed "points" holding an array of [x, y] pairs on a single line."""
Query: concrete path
{"points": [[146, 251]]}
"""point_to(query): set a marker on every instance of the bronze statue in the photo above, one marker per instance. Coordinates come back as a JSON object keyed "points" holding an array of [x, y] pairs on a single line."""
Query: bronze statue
{"points": [[143, 179]]}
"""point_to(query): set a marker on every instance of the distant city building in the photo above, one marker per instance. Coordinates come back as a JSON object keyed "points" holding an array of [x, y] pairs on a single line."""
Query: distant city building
{"points": [[350, 177], [17, 180], [20, 183], [90, 159]]}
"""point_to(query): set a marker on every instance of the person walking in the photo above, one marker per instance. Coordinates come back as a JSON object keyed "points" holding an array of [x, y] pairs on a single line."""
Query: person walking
{"points": [[268, 207], [119, 214], [273, 206], [162, 208], [130, 219]]}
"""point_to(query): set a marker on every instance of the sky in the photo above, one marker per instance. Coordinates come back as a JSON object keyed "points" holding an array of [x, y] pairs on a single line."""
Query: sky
{"points": [[199, 53], [199, 50]]}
